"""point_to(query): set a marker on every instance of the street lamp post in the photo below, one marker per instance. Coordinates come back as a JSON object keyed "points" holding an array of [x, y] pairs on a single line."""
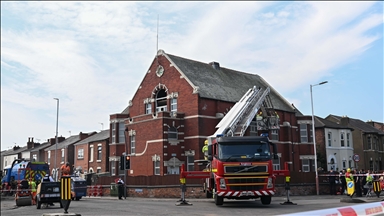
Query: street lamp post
{"points": [[56, 142], [314, 137]]}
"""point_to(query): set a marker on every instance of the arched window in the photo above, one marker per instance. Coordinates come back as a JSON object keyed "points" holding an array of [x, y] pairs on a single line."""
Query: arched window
{"points": [[161, 101]]}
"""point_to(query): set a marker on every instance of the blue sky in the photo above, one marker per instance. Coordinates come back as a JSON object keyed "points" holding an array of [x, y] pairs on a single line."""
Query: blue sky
{"points": [[93, 56]]}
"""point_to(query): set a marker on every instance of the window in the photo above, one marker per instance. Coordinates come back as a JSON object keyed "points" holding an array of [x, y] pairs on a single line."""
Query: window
{"points": [[80, 153], [350, 163], [98, 170], [49, 157], [303, 133], [121, 132], [172, 133], [276, 164], [148, 108], [342, 139], [34, 157], [156, 165], [329, 139], [99, 148], [253, 128], [173, 170], [274, 135], [305, 165], [62, 155], [310, 134], [113, 168], [190, 163], [348, 140], [370, 165], [161, 101], [113, 133], [344, 165], [174, 104], [91, 153], [133, 144], [369, 141]]}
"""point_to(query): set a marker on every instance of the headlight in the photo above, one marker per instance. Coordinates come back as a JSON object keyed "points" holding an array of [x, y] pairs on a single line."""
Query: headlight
{"points": [[270, 183], [222, 184]]}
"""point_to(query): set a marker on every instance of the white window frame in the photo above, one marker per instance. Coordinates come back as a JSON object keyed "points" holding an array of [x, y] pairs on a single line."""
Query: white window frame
{"points": [[121, 132], [34, 157], [91, 153], [80, 153], [113, 132], [342, 139], [172, 134], [348, 139], [173, 104], [274, 134], [49, 157], [113, 168], [133, 144], [156, 167], [99, 153], [303, 137], [329, 139], [190, 163], [62, 155], [305, 165], [369, 142], [148, 108], [276, 166]]}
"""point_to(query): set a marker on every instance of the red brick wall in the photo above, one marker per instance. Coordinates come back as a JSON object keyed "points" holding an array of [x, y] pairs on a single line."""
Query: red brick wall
{"points": [[84, 161], [104, 162]]}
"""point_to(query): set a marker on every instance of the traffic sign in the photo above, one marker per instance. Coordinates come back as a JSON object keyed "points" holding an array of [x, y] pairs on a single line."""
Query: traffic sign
{"points": [[356, 158]]}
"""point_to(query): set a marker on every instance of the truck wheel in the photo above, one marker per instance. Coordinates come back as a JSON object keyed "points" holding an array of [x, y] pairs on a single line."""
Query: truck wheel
{"points": [[208, 194], [218, 199], [38, 203], [266, 200]]}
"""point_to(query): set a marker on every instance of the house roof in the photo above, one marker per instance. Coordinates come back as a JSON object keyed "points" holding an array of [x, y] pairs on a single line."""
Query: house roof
{"points": [[224, 84], [69, 141], [324, 123], [359, 124], [17, 151], [41, 146], [97, 137]]}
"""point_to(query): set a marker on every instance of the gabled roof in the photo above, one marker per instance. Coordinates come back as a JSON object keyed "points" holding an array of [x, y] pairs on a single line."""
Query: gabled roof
{"points": [[224, 84], [359, 124], [324, 123], [103, 135], [69, 141]]}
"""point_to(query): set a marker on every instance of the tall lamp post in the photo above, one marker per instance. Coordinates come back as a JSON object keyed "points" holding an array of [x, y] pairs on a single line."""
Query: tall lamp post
{"points": [[57, 127], [314, 137]]}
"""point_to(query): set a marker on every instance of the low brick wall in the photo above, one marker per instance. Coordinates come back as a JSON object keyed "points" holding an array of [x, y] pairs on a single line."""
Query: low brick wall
{"points": [[196, 191]]}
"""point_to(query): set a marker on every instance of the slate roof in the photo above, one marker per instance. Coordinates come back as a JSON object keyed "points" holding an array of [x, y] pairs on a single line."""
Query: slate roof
{"points": [[41, 146], [359, 124], [69, 141], [11, 151], [324, 123], [225, 84], [97, 137]]}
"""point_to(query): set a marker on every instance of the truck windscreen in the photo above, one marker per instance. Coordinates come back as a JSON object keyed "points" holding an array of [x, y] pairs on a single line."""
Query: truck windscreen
{"points": [[247, 151]]}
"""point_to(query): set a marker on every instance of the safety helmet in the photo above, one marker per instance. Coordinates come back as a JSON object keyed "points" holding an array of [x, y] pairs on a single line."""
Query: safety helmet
{"points": [[348, 170], [206, 142]]}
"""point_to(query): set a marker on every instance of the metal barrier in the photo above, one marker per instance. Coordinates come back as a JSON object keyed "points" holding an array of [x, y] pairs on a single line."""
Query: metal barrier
{"points": [[95, 190], [376, 208]]}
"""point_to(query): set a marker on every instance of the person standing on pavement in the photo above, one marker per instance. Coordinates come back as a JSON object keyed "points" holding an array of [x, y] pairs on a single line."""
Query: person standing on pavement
{"points": [[120, 188], [343, 182], [32, 185], [358, 184], [332, 182]]}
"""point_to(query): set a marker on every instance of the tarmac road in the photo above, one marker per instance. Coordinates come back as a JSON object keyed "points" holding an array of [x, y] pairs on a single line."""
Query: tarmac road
{"points": [[151, 206]]}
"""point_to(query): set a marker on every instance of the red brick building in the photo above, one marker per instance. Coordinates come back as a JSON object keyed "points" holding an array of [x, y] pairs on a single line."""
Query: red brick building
{"points": [[91, 154], [178, 104]]}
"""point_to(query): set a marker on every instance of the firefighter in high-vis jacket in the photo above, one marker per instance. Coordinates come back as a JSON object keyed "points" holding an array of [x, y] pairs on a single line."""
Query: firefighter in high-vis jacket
{"points": [[205, 150], [350, 183]]}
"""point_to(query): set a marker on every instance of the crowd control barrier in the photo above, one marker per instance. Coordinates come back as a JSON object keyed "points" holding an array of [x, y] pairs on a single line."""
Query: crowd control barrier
{"points": [[95, 190], [375, 208]]}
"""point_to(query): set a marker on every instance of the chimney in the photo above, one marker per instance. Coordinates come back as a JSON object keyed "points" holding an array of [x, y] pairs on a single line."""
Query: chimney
{"points": [[215, 65], [83, 135], [29, 143], [344, 120]]}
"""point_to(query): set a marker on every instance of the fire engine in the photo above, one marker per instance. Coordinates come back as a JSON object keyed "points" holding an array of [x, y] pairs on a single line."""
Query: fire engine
{"points": [[238, 166]]}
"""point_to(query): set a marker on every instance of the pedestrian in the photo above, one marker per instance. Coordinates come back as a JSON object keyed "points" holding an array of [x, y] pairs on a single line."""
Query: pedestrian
{"points": [[205, 150], [332, 182], [48, 178], [120, 188], [65, 169], [358, 184], [32, 184], [343, 182]]}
